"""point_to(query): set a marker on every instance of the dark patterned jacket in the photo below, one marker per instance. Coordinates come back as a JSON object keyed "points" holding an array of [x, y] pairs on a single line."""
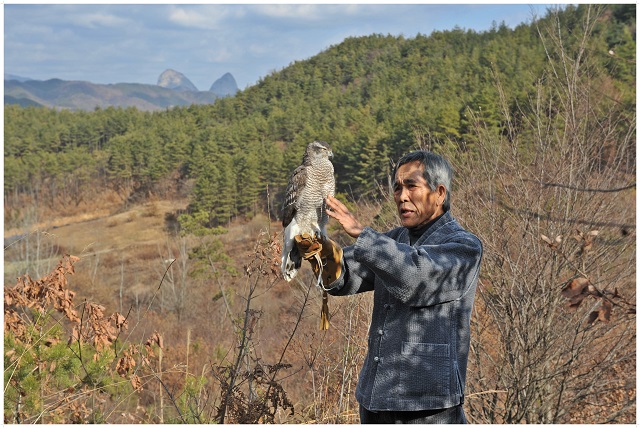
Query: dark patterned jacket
{"points": [[419, 333]]}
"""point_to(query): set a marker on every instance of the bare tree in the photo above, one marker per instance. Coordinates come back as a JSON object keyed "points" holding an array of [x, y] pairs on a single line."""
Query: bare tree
{"points": [[553, 336], [175, 294]]}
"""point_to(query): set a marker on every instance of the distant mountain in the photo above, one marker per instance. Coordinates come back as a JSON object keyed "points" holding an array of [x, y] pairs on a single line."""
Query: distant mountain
{"points": [[173, 89], [224, 86], [79, 95], [175, 80], [8, 76], [24, 102]]}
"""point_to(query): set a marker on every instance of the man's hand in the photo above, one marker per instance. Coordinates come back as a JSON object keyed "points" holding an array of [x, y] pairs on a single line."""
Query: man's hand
{"points": [[339, 211]]}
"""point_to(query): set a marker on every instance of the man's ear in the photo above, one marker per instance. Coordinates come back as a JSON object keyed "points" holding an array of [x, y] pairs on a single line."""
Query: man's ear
{"points": [[442, 193]]}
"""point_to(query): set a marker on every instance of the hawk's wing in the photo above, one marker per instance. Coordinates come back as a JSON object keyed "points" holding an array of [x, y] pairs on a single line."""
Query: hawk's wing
{"points": [[296, 183]]}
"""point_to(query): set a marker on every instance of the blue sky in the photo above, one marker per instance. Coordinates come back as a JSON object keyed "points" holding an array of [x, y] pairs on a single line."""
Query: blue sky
{"points": [[112, 43]]}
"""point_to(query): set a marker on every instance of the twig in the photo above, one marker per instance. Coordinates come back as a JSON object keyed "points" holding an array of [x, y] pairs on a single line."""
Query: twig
{"points": [[295, 328], [490, 391], [151, 302], [243, 342]]}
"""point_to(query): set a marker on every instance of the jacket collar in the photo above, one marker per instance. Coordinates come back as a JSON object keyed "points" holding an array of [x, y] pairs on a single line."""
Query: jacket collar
{"points": [[403, 237]]}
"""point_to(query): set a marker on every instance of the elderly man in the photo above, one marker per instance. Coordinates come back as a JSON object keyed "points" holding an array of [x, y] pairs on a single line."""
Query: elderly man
{"points": [[423, 276]]}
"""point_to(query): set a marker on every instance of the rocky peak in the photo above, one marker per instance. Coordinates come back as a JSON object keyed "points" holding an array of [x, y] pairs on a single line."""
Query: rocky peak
{"points": [[224, 86], [175, 80]]}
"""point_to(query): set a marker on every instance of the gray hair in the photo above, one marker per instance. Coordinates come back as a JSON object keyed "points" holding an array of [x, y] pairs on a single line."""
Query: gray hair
{"points": [[437, 171]]}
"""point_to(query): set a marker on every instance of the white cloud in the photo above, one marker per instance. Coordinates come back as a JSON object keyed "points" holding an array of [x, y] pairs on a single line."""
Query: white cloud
{"points": [[95, 20], [207, 17], [309, 12], [219, 54]]}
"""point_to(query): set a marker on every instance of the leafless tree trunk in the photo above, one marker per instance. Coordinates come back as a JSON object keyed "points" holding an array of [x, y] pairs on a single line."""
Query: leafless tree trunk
{"points": [[554, 214], [175, 296]]}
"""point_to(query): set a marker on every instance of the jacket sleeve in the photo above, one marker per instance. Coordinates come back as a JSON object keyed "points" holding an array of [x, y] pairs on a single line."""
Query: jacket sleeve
{"points": [[422, 276]]}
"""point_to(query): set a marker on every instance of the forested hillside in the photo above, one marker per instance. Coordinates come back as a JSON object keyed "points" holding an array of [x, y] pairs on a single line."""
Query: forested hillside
{"points": [[372, 98], [540, 124]]}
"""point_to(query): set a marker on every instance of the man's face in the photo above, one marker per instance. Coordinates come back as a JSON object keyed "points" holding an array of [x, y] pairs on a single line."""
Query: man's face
{"points": [[417, 203]]}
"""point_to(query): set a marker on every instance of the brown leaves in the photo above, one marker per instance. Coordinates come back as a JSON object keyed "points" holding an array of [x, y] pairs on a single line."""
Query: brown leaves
{"points": [[96, 328], [585, 240], [552, 244], [265, 258], [51, 292], [154, 338], [125, 364], [13, 322], [603, 313], [579, 289], [136, 383], [119, 320], [92, 332], [40, 295]]}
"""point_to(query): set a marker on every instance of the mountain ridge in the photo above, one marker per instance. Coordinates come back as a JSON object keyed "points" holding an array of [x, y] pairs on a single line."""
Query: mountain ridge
{"points": [[225, 86], [173, 89], [172, 79]]}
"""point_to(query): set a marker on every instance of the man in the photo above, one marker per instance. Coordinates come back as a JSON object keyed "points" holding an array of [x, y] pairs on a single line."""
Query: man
{"points": [[424, 276]]}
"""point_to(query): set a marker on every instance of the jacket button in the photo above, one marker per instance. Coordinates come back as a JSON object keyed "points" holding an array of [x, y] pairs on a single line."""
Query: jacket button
{"points": [[376, 359], [380, 332]]}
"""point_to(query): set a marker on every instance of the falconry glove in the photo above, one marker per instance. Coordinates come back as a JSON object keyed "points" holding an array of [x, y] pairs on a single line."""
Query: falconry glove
{"points": [[325, 257]]}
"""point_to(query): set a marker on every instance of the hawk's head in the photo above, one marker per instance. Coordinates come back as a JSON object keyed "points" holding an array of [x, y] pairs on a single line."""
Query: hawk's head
{"points": [[318, 149]]}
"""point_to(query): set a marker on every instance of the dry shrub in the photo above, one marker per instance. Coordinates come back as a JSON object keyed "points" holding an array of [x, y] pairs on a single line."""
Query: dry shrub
{"points": [[146, 253], [151, 210], [553, 331]]}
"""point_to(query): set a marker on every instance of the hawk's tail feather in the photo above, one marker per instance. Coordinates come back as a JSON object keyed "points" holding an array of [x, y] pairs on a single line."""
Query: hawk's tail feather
{"points": [[292, 264]]}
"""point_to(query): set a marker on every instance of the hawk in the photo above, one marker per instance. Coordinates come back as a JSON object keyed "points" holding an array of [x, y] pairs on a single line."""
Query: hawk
{"points": [[304, 209]]}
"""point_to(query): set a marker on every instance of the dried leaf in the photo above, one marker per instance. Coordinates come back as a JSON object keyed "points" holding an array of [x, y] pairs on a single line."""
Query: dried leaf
{"points": [[136, 383], [75, 335], [552, 244], [593, 291], [575, 287], [51, 341], [604, 314], [119, 320], [125, 364]]}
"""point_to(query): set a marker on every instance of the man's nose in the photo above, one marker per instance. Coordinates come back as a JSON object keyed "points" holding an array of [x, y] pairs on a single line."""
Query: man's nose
{"points": [[404, 195]]}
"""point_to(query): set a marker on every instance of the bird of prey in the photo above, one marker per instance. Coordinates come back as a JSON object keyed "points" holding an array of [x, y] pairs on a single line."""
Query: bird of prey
{"points": [[304, 209]]}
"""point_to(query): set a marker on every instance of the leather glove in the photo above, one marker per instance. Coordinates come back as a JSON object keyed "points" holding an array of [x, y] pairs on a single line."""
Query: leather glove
{"points": [[324, 255]]}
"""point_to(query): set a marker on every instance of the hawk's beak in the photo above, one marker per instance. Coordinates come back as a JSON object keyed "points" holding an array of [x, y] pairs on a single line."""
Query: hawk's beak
{"points": [[330, 154]]}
